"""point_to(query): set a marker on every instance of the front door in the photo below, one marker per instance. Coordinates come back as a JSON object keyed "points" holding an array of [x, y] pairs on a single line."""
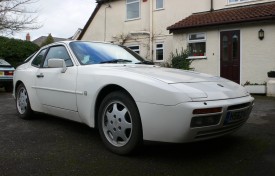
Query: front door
{"points": [[55, 89], [230, 55]]}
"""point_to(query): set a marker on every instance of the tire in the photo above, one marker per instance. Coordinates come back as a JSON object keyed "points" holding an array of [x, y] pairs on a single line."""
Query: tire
{"points": [[119, 123], [23, 106], [9, 88]]}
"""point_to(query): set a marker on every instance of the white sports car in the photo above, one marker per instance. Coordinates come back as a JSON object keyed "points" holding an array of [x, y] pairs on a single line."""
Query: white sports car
{"points": [[112, 88]]}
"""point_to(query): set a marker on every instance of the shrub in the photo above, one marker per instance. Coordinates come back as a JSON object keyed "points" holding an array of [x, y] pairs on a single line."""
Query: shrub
{"points": [[15, 51], [179, 60]]}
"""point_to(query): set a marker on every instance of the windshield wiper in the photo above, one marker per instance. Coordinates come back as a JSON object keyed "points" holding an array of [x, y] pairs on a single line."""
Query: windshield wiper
{"points": [[115, 61], [146, 62]]}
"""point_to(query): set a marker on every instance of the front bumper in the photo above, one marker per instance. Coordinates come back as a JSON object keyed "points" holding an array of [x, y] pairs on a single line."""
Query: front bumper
{"points": [[172, 123]]}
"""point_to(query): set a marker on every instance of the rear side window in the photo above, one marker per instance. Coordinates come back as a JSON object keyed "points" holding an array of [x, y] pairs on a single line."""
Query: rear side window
{"points": [[58, 52], [37, 61]]}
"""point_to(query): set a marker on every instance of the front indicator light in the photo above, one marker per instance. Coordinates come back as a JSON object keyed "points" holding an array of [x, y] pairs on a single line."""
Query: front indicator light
{"points": [[207, 111]]}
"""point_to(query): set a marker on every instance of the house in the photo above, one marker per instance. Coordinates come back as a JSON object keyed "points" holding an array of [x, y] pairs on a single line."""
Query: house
{"points": [[76, 34], [234, 39], [39, 41]]}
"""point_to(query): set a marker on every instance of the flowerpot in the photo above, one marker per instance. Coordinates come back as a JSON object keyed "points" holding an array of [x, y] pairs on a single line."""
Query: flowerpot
{"points": [[271, 87], [256, 89], [271, 74]]}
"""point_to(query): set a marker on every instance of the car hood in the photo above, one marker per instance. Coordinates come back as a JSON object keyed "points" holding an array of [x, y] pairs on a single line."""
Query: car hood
{"points": [[169, 75], [195, 85]]}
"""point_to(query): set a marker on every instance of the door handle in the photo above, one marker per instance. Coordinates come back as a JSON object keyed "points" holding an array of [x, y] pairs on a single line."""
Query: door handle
{"points": [[40, 75]]}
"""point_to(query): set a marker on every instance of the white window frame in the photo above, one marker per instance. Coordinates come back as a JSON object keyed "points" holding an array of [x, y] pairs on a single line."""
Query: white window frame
{"points": [[197, 41], [139, 8], [135, 50], [240, 1], [156, 49], [161, 7]]}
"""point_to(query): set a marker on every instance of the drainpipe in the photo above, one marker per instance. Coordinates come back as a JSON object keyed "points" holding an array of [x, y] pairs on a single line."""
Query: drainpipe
{"points": [[151, 31], [212, 6], [105, 21]]}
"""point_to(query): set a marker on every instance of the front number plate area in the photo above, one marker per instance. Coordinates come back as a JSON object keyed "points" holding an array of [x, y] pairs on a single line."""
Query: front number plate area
{"points": [[235, 116]]}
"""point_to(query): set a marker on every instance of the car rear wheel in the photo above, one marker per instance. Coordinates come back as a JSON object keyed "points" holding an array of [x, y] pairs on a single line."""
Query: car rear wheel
{"points": [[22, 103], [119, 123]]}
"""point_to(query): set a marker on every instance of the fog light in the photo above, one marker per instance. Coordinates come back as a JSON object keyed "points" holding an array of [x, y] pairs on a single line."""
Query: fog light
{"points": [[205, 120]]}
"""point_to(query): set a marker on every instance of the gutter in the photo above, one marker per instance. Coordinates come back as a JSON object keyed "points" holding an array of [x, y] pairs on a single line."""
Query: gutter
{"points": [[211, 6], [151, 31]]}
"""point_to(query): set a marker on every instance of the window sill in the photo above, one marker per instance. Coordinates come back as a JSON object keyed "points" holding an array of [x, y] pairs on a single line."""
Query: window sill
{"points": [[197, 57], [239, 3], [158, 61], [134, 19], [159, 9]]}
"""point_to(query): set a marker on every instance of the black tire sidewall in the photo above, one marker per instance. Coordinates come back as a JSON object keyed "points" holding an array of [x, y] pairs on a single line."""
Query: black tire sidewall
{"points": [[136, 137], [28, 113]]}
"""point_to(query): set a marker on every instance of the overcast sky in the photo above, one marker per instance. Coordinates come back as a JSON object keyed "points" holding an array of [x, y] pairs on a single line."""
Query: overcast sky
{"points": [[61, 18]]}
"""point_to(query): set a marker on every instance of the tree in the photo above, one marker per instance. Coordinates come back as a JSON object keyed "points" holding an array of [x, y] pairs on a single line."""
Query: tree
{"points": [[15, 17], [48, 40], [15, 51]]}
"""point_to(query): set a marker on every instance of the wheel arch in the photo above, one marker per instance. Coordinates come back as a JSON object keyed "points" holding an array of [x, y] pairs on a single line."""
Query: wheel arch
{"points": [[103, 93], [16, 86]]}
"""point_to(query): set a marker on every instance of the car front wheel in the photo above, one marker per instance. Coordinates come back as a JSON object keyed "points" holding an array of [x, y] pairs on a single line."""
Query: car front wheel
{"points": [[22, 102], [119, 123]]}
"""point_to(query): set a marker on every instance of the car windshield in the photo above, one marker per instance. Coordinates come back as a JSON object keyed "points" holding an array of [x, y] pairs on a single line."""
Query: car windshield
{"points": [[102, 53]]}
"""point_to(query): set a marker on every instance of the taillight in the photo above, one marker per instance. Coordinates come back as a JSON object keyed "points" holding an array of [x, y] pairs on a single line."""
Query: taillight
{"points": [[8, 73]]}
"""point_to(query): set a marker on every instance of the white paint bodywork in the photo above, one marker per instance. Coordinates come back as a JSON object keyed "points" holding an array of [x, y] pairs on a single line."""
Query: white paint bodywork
{"points": [[165, 97]]}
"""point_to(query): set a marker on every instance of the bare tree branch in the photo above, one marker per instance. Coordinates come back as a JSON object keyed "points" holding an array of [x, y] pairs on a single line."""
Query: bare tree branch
{"points": [[15, 17]]}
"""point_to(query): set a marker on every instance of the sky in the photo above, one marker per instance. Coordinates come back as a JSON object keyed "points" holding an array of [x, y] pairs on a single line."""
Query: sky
{"points": [[61, 18]]}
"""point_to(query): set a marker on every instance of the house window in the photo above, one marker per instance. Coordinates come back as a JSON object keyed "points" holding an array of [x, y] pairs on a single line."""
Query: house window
{"points": [[159, 4], [133, 9], [159, 52], [135, 48], [238, 1], [197, 45]]}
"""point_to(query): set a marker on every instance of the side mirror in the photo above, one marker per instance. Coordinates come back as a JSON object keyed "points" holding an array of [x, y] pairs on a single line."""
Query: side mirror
{"points": [[57, 63]]}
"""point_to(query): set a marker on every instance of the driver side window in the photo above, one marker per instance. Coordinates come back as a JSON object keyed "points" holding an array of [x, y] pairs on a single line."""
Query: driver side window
{"points": [[58, 52]]}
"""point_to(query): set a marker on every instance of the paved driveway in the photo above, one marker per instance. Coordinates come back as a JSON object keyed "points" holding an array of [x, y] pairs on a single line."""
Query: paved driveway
{"points": [[52, 146]]}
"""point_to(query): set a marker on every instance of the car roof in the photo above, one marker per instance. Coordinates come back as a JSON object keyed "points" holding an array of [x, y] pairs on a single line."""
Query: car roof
{"points": [[4, 63], [70, 41]]}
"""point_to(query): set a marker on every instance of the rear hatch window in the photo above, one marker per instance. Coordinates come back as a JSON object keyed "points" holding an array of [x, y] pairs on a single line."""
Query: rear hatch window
{"points": [[5, 64]]}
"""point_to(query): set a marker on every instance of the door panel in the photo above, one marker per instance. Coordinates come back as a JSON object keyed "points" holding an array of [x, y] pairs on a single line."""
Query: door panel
{"points": [[54, 88], [230, 55], [57, 89]]}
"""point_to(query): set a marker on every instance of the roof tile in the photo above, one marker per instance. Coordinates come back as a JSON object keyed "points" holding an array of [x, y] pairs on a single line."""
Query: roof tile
{"points": [[249, 13]]}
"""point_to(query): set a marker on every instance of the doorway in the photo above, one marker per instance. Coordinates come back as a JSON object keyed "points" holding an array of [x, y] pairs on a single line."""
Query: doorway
{"points": [[230, 55]]}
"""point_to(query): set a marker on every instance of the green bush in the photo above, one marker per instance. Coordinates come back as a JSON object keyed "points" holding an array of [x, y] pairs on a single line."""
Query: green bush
{"points": [[15, 51], [179, 60]]}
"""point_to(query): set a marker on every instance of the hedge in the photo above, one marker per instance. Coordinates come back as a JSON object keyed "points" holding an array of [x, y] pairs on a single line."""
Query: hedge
{"points": [[15, 51]]}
